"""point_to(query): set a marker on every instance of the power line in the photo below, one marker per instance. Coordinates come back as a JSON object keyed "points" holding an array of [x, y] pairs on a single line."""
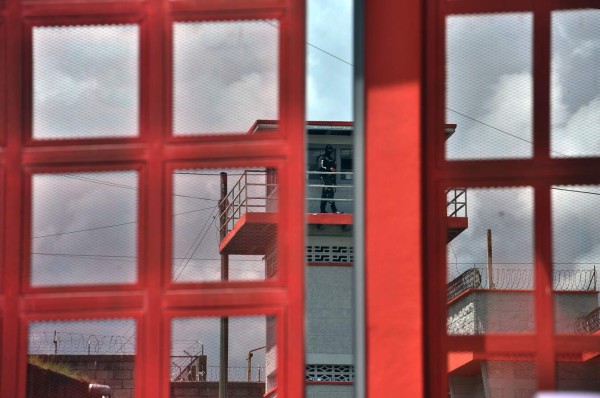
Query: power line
{"points": [[575, 190], [490, 126], [113, 225], [111, 184], [194, 243]]}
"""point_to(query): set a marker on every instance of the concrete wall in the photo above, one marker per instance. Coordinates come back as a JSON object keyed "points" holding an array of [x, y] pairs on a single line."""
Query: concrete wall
{"points": [[329, 310], [42, 383], [507, 379], [582, 376], [116, 371], [211, 390], [329, 391], [466, 386], [509, 311]]}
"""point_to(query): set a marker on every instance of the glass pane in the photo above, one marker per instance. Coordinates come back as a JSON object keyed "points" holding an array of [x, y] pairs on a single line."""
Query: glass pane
{"points": [[576, 251], [489, 85], [233, 237], [226, 76], [578, 372], [248, 346], [477, 375], [490, 276], [85, 81], [575, 83], [84, 228], [77, 358]]}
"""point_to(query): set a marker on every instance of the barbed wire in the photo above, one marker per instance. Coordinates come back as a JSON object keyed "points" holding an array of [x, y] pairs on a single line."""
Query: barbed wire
{"points": [[520, 279], [56, 342]]}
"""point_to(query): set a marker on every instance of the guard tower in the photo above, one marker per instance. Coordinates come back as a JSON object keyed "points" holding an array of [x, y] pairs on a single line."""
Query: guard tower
{"points": [[249, 226]]}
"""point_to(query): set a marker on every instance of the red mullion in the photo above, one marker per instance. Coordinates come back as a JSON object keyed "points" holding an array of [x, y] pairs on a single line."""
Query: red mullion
{"points": [[574, 4], [232, 149], [544, 314], [213, 299], [26, 222], [215, 165], [283, 346], [74, 10], [493, 343], [4, 226], [292, 64], [541, 79], [435, 86], [11, 194], [25, 319], [434, 274], [520, 168], [487, 7], [29, 24], [82, 302], [226, 5], [3, 126], [152, 118], [62, 155], [192, 15], [581, 343]]}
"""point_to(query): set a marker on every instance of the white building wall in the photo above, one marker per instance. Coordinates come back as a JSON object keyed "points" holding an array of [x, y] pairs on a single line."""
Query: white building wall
{"points": [[328, 311], [502, 312], [505, 312], [329, 391]]}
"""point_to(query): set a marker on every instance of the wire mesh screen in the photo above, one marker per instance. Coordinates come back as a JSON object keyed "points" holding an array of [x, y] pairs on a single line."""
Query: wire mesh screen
{"points": [[489, 85], [85, 81], [575, 90], [225, 75], [239, 352], [84, 228], [576, 247], [490, 264], [224, 225], [81, 358]]}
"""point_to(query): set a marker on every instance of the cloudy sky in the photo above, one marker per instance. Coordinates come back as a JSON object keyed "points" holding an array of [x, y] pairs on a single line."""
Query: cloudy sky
{"points": [[84, 224]]}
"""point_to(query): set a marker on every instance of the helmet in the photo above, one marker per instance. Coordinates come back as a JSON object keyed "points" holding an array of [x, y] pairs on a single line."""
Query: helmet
{"points": [[328, 148]]}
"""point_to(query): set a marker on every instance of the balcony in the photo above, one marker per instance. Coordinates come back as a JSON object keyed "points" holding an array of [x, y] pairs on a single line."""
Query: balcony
{"points": [[248, 212]]}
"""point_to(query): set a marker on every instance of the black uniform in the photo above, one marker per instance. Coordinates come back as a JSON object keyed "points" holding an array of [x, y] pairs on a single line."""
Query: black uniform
{"points": [[327, 165]]}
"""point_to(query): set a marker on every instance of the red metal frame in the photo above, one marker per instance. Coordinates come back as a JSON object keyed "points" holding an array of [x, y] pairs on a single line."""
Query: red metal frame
{"points": [[540, 172], [152, 301], [393, 94]]}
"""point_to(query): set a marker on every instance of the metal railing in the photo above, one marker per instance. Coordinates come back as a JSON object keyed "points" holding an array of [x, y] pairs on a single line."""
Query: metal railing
{"points": [[343, 184], [255, 191], [521, 279], [234, 374]]}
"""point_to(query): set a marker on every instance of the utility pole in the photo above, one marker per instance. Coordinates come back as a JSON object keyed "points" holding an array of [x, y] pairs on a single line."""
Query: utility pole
{"points": [[489, 260], [224, 346]]}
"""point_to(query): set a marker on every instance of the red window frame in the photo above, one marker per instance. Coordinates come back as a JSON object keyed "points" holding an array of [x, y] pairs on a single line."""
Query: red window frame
{"points": [[153, 301], [405, 271], [540, 172]]}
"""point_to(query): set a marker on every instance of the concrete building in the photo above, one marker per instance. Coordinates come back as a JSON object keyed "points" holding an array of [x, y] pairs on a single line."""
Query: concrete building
{"points": [[249, 227]]}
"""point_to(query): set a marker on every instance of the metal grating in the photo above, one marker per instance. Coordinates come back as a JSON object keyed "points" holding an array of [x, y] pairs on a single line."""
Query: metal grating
{"points": [[330, 373]]}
